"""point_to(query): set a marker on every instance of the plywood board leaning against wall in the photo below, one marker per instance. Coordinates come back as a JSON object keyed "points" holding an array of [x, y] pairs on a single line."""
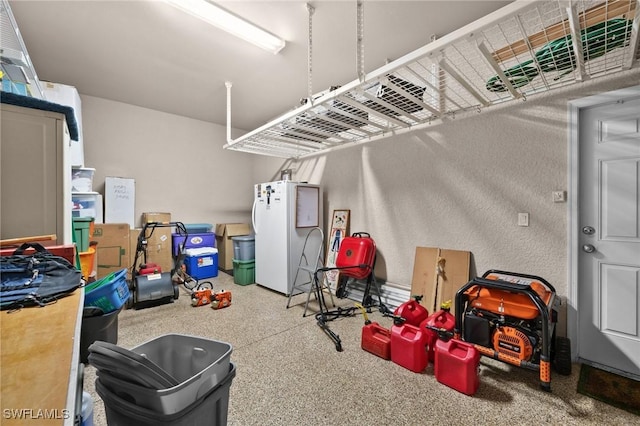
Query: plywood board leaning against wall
{"points": [[438, 274]]}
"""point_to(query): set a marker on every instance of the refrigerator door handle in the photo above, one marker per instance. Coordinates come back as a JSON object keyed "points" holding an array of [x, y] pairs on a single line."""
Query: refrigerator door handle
{"points": [[253, 217]]}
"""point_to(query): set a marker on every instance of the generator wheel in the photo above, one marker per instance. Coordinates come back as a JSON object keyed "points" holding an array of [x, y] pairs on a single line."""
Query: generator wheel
{"points": [[562, 357], [176, 292]]}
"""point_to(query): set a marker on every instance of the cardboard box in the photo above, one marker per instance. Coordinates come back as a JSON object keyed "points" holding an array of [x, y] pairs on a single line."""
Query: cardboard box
{"points": [[158, 241], [113, 247], [224, 232], [119, 200], [438, 274]]}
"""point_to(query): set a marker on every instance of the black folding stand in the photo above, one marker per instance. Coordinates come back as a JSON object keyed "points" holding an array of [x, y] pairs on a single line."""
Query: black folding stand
{"points": [[325, 315]]}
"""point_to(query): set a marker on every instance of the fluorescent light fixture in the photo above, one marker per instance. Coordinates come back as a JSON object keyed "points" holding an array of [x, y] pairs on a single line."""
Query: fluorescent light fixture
{"points": [[233, 24]]}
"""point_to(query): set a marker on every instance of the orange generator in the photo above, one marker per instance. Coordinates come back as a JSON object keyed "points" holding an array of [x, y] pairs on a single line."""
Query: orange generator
{"points": [[512, 317]]}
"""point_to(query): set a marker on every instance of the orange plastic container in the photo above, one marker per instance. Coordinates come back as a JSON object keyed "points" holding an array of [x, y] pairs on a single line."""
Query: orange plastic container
{"points": [[456, 365], [377, 340], [408, 347], [87, 263]]}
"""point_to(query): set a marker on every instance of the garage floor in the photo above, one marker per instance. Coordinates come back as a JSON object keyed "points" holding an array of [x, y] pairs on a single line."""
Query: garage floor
{"points": [[289, 373]]}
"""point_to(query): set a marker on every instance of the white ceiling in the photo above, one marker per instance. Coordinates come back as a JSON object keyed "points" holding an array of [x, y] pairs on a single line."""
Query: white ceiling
{"points": [[146, 53]]}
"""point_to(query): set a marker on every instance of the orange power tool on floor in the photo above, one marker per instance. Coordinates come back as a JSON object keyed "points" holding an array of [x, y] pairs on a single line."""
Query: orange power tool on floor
{"points": [[221, 299]]}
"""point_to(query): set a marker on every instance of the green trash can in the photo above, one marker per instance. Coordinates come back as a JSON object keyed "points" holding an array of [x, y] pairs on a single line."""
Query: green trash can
{"points": [[244, 271], [82, 232]]}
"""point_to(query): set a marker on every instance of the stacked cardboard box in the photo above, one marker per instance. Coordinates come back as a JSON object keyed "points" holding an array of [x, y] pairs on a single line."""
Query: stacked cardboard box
{"points": [[158, 240], [113, 250], [224, 232]]}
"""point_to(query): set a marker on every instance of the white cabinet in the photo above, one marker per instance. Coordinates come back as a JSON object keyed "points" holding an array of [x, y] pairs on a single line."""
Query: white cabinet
{"points": [[35, 174]]}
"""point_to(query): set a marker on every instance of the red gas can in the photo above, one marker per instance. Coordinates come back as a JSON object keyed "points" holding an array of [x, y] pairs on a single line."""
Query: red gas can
{"points": [[356, 255], [377, 340], [408, 347], [443, 320], [412, 311], [456, 365]]}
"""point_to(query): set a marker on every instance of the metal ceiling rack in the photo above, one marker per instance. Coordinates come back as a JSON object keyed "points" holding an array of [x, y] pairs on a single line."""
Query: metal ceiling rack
{"points": [[526, 48], [13, 52]]}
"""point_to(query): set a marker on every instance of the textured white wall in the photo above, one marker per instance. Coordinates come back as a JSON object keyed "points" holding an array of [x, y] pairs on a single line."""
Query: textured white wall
{"points": [[461, 184], [178, 163], [456, 185]]}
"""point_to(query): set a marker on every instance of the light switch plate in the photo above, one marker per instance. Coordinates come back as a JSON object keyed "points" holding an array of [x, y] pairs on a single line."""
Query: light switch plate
{"points": [[559, 196], [523, 219]]}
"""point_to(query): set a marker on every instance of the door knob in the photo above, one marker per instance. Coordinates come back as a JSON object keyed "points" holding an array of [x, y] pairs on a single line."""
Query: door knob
{"points": [[588, 230], [588, 248]]}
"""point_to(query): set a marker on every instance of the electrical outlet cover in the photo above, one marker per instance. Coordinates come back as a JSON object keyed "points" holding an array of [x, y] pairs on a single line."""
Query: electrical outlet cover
{"points": [[559, 196]]}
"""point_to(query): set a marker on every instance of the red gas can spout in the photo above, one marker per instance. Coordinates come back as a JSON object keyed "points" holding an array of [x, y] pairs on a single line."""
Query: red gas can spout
{"points": [[375, 338], [439, 325]]}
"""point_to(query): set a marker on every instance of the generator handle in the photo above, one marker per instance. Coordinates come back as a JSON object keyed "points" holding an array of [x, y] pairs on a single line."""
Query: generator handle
{"points": [[517, 274]]}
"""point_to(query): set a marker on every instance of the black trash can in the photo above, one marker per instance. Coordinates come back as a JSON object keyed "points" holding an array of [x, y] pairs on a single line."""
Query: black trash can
{"points": [[97, 326], [211, 408]]}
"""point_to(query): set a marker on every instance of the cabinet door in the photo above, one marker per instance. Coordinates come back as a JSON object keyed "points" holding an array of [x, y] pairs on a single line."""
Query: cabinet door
{"points": [[31, 160]]}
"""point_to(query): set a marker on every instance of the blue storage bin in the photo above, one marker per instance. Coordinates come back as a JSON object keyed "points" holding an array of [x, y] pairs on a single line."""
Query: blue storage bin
{"points": [[201, 262], [108, 293]]}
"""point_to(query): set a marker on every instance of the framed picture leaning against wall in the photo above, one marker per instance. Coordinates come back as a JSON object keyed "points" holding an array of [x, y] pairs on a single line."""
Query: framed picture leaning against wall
{"points": [[339, 230]]}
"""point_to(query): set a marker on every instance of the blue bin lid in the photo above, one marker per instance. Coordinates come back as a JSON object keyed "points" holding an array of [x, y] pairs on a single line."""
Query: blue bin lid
{"points": [[198, 227]]}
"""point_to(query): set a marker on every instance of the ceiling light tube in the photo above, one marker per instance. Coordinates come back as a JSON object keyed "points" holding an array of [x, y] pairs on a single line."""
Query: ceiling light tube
{"points": [[231, 23]]}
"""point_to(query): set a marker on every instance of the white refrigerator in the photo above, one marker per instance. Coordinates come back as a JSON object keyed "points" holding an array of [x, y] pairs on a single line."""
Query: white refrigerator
{"points": [[283, 213]]}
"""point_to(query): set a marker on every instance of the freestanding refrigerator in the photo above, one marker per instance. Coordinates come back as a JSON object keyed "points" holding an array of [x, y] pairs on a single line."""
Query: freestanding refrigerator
{"points": [[283, 214]]}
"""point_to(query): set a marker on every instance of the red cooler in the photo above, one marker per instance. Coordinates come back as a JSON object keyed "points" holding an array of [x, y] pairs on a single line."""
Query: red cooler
{"points": [[456, 365], [356, 255], [408, 347]]}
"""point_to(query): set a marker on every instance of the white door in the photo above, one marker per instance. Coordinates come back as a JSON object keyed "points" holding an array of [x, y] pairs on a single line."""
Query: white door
{"points": [[608, 276]]}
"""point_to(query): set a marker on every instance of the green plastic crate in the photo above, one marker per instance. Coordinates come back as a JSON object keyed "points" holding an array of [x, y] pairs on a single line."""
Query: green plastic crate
{"points": [[244, 272]]}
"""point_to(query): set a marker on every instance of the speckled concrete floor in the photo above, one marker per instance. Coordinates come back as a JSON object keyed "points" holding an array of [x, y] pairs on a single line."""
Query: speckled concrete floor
{"points": [[289, 373]]}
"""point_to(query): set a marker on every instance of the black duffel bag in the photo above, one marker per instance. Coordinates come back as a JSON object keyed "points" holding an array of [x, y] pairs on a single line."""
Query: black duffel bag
{"points": [[35, 279]]}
